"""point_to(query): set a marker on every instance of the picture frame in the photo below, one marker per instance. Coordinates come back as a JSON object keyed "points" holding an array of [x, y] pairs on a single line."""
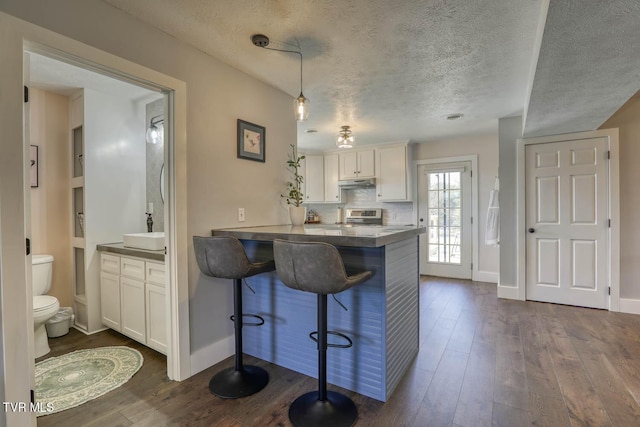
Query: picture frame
{"points": [[33, 150], [251, 141]]}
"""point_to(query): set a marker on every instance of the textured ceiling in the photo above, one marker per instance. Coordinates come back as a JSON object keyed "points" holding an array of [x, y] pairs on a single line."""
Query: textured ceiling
{"points": [[390, 70], [394, 70], [589, 65]]}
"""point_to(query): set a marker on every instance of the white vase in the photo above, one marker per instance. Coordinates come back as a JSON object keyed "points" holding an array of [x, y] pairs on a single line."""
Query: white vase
{"points": [[298, 214]]}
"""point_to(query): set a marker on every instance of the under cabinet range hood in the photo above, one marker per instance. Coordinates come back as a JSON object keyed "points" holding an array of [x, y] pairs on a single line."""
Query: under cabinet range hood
{"points": [[357, 183]]}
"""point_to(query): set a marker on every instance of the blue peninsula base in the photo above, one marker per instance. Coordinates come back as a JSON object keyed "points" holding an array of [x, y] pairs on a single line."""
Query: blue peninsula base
{"points": [[382, 319]]}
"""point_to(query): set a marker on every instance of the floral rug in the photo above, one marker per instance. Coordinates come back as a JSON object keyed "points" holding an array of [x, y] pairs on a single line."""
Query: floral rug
{"points": [[72, 379]]}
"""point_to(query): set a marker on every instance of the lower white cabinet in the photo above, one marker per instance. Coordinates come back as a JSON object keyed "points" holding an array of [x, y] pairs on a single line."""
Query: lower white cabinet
{"points": [[133, 299]]}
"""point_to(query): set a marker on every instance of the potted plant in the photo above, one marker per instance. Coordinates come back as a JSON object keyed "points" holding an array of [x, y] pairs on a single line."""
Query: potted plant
{"points": [[294, 190]]}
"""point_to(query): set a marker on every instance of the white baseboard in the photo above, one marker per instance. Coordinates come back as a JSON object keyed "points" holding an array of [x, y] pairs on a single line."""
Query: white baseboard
{"points": [[85, 332], [486, 276], [631, 306], [212, 354], [508, 292]]}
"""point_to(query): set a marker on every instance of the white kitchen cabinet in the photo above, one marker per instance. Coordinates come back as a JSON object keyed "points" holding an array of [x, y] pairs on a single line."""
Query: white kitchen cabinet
{"points": [[313, 179], [392, 180], [133, 298], [331, 176], [357, 164]]}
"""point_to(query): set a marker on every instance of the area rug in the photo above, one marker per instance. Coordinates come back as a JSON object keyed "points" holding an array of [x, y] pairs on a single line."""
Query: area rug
{"points": [[72, 379]]}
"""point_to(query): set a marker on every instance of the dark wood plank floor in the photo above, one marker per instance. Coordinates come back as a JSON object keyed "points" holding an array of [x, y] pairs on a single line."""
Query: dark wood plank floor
{"points": [[482, 362]]}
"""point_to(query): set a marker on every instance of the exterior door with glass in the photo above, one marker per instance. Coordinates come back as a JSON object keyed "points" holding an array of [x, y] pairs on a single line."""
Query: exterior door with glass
{"points": [[444, 208]]}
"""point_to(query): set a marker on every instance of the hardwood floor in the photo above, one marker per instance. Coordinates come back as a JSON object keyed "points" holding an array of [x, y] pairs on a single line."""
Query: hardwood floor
{"points": [[482, 362]]}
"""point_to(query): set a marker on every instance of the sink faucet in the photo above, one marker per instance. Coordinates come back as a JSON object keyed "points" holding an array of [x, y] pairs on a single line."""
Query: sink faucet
{"points": [[149, 223]]}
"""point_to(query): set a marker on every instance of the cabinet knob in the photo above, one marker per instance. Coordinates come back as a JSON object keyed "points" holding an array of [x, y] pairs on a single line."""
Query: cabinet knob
{"points": [[355, 172], [379, 195], [336, 197]]}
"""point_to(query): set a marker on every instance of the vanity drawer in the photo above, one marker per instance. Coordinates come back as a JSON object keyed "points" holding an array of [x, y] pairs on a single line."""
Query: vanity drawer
{"points": [[155, 273], [110, 263], [132, 268]]}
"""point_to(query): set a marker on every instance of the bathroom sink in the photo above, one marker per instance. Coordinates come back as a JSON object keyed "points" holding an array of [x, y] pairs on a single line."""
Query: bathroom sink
{"points": [[150, 241]]}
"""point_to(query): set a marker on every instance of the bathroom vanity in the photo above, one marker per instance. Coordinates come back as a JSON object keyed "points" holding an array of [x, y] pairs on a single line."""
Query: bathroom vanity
{"points": [[132, 292], [383, 312]]}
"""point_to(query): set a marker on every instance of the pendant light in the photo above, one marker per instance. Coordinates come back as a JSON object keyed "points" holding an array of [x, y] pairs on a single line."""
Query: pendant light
{"points": [[301, 103], [345, 138]]}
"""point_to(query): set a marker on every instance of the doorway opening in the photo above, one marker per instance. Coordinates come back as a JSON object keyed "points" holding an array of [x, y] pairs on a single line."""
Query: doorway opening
{"points": [[110, 183]]}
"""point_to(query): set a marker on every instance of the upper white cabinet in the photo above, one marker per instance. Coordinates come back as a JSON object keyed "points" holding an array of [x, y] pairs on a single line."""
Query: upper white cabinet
{"points": [[313, 173], [357, 164], [331, 176], [392, 180]]}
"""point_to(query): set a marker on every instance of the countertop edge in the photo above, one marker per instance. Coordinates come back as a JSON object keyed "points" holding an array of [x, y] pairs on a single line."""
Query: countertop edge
{"points": [[353, 241], [120, 249]]}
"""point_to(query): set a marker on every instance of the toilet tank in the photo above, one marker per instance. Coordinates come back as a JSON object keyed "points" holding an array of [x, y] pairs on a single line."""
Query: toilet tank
{"points": [[41, 270]]}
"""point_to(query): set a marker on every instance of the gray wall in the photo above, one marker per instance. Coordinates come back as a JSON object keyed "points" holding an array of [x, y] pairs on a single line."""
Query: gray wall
{"points": [[155, 160], [509, 131], [217, 182]]}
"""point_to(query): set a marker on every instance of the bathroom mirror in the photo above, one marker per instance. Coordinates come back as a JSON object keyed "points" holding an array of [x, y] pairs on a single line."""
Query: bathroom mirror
{"points": [[162, 183]]}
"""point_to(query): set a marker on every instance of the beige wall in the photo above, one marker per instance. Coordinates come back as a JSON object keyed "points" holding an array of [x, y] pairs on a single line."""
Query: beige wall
{"points": [[627, 120], [50, 201], [218, 183], [486, 148]]}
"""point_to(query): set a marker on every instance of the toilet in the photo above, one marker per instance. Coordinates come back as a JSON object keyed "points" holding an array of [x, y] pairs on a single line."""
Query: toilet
{"points": [[44, 306]]}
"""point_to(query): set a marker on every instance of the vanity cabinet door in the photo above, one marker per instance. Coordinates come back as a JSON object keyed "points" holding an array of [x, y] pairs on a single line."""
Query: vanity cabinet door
{"points": [[133, 308], [156, 317], [110, 300]]}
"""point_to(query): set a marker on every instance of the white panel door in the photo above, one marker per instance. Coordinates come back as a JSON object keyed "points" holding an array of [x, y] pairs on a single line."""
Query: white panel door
{"points": [[567, 221], [444, 207]]}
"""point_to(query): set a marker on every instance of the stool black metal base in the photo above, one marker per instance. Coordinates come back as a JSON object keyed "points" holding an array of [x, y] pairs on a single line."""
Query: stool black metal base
{"points": [[232, 384], [336, 411]]}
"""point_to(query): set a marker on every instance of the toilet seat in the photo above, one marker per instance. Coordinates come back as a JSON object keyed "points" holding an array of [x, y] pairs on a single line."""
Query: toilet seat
{"points": [[43, 302]]}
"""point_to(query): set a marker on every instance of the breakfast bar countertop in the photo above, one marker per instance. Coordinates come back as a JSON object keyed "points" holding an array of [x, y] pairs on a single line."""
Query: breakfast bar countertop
{"points": [[369, 236]]}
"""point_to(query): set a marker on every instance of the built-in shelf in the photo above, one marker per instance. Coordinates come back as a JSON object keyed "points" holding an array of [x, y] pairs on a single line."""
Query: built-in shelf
{"points": [[77, 182], [77, 242]]}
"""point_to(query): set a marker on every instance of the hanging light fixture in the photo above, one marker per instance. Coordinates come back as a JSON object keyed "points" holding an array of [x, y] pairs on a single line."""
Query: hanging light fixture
{"points": [[345, 138], [301, 103], [155, 131]]}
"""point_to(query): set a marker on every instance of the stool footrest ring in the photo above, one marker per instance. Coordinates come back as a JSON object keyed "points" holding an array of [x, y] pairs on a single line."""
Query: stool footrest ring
{"points": [[260, 323], [314, 337]]}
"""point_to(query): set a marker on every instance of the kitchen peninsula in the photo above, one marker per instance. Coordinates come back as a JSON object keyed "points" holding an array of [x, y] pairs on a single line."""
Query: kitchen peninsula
{"points": [[382, 313]]}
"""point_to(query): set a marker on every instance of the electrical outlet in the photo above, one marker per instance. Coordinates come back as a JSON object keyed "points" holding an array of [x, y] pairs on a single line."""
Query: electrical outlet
{"points": [[241, 214]]}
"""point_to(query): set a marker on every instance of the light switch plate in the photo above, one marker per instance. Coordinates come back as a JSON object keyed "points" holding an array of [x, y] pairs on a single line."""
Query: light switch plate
{"points": [[240, 214]]}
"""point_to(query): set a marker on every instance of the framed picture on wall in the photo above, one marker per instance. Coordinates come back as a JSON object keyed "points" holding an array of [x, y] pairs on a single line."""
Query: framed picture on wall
{"points": [[34, 165], [251, 141]]}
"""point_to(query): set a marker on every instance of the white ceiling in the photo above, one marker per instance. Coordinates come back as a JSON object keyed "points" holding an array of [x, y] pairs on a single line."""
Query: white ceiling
{"points": [[394, 70]]}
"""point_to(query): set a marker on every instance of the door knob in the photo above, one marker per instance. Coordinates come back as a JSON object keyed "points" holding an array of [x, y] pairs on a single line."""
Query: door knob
{"points": [[532, 230]]}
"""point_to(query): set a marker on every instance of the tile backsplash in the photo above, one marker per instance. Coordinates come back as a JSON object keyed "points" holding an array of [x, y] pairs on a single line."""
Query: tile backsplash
{"points": [[400, 213]]}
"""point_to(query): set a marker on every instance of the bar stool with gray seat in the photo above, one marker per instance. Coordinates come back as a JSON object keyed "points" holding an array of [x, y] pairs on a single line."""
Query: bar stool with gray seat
{"points": [[317, 267], [225, 257]]}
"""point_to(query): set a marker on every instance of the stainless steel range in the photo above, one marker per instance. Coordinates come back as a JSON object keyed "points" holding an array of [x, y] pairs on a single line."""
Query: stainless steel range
{"points": [[362, 216]]}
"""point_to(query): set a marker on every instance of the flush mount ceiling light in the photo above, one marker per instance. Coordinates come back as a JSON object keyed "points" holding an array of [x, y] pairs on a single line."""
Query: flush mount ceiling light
{"points": [[300, 104], [345, 138], [155, 132]]}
